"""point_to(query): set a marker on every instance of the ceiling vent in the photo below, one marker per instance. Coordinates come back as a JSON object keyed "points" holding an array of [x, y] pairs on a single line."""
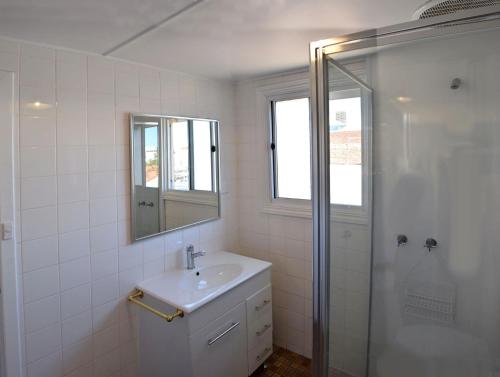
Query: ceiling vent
{"points": [[435, 8]]}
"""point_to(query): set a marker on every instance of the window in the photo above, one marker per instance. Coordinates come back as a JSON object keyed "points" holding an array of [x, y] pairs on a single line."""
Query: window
{"points": [[290, 146], [346, 173], [191, 155], [202, 155], [179, 139], [146, 153], [291, 153]]}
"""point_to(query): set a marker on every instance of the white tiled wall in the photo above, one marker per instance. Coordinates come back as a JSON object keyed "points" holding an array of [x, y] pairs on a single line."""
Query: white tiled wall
{"points": [[287, 242], [284, 241], [78, 262]]}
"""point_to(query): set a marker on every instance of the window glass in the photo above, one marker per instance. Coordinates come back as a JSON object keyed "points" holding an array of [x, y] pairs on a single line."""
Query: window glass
{"points": [[346, 151], [292, 156], [179, 142], [202, 155], [151, 153], [138, 165]]}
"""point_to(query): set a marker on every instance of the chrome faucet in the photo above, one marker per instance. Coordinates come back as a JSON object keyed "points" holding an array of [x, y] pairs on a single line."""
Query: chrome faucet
{"points": [[190, 254]]}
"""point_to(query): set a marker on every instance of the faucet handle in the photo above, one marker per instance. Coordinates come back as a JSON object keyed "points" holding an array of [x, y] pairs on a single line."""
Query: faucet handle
{"points": [[189, 248]]}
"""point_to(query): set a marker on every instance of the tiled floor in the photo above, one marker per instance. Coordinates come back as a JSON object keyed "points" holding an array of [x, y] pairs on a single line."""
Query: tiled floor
{"points": [[283, 363]]}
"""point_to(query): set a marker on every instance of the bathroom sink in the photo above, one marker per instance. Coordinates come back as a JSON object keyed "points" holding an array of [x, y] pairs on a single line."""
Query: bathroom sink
{"points": [[211, 277], [215, 274]]}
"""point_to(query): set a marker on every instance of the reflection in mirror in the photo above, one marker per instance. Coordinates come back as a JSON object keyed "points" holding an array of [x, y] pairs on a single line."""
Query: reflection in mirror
{"points": [[174, 173]]}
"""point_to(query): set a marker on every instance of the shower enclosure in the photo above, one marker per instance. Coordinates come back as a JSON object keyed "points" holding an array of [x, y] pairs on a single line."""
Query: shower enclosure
{"points": [[406, 183]]}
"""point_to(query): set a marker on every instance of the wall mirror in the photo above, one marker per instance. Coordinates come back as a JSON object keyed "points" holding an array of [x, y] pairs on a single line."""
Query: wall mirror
{"points": [[174, 173]]}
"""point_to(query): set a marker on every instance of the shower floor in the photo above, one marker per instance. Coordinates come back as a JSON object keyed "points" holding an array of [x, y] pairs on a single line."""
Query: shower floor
{"points": [[284, 363]]}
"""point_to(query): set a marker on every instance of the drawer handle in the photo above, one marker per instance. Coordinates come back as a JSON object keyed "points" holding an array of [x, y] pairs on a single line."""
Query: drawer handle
{"points": [[258, 307], [264, 329], [221, 335], [263, 354]]}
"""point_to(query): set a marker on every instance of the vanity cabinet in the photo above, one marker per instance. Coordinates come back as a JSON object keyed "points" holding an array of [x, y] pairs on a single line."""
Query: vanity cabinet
{"points": [[259, 327], [229, 336], [220, 349]]}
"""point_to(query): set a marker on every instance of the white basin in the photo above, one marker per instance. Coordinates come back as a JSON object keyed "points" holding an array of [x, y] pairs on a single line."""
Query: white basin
{"points": [[211, 277], [216, 273]]}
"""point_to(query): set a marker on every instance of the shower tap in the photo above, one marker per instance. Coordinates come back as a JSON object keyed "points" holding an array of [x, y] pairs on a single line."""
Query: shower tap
{"points": [[402, 240], [430, 243]]}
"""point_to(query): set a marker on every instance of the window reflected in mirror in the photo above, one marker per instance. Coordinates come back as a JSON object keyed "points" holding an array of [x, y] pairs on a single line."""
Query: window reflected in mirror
{"points": [[175, 173]]}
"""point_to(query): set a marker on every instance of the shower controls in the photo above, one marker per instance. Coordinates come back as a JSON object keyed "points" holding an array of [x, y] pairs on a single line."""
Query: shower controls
{"points": [[455, 83], [430, 243], [402, 240]]}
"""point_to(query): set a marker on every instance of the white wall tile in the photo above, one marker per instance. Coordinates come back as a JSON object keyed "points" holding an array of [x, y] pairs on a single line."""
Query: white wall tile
{"points": [[149, 84], [73, 216], [77, 328], [73, 245], [41, 283], [38, 192], [103, 211], [38, 253], [105, 290], [71, 70], [71, 117], [75, 273], [103, 237], [39, 222], [104, 264], [78, 355], [38, 161], [102, 184], [42, 313], [127, 80], [37, 131], [105, 315], [101, 119], [75, 301], [37, 101], [130, 256], [102, 158], [43, 342], [129, 278], [72, 160], [106, 340], [37, 70], [72, 188], [101, 77], [48, 366], [107, 365]]}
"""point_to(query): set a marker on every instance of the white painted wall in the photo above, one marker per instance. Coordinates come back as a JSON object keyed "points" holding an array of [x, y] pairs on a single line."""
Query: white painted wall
{"points": [[78, 263]]}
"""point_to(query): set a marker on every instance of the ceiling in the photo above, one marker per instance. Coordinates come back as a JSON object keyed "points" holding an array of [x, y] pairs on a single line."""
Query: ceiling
{"points": [[214, 38]]}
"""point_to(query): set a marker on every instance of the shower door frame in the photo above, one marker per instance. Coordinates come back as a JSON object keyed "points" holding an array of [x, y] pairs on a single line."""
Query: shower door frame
{"points": [[320, 51]]}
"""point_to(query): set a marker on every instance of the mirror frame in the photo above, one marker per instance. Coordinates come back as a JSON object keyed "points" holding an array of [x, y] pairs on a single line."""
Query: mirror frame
{"points": [[132, 117]]}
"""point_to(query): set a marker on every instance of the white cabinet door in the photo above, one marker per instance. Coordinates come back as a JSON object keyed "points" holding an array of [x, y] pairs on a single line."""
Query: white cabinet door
{"points": [[220, 348]]}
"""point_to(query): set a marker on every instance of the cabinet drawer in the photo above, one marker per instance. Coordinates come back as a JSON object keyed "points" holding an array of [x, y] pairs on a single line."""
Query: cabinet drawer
{"points": [[257, 355], [260, 328], [258, 304], [220, 348]]}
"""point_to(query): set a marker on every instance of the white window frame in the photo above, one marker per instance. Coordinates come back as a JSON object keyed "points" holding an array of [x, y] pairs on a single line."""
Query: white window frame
{"points": [[299, 88], [289, 89]]}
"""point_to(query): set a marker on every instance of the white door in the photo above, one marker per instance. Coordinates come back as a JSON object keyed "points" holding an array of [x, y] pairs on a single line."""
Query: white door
{"points": [[10, 344]]}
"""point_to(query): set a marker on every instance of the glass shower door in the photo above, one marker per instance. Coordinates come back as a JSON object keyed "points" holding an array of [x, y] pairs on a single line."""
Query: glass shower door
{"points": [[349, 137], [406, 173]]}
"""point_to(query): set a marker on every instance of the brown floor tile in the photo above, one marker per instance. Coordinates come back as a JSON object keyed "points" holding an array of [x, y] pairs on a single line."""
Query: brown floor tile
{"points": [[284, 363]]}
